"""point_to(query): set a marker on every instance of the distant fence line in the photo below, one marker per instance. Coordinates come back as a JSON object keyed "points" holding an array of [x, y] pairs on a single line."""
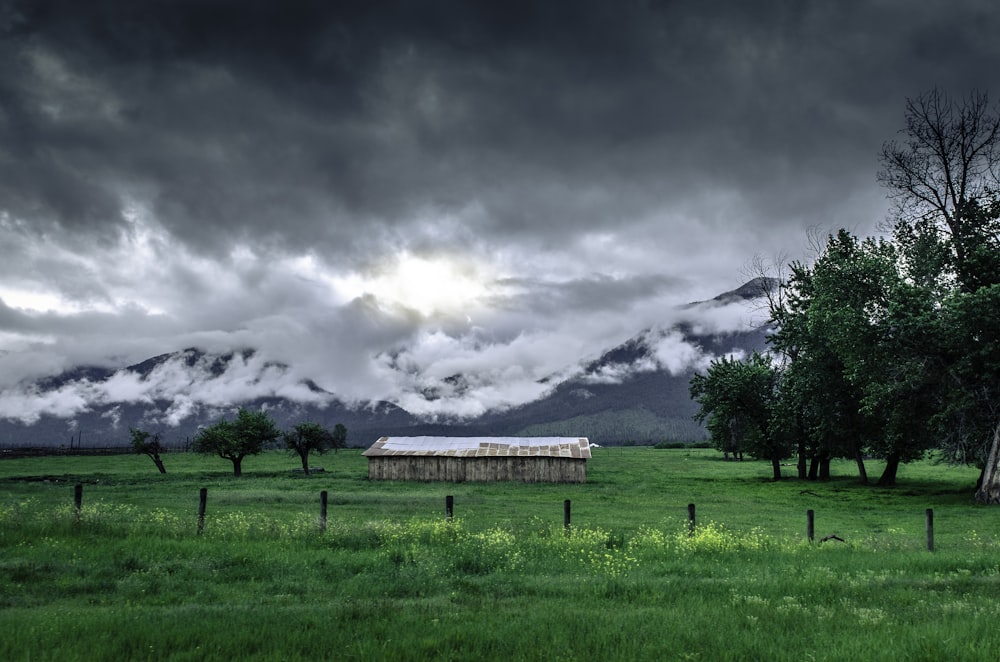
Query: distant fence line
{"points": [[12, 452]]}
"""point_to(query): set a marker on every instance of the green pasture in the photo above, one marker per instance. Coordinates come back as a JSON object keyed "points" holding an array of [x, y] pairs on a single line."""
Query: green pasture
{"points": [[390, 578]]}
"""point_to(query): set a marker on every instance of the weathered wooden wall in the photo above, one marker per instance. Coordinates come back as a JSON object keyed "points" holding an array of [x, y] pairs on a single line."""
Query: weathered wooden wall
{"points": [[478, 469]]}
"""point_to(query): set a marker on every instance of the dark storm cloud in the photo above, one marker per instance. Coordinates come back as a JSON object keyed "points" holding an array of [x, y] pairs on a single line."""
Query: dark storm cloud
{"points": [[166, 167], [236, 117]]}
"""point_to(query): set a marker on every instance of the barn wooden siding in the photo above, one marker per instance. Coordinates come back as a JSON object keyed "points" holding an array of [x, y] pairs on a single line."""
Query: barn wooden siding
{"points": [[456, 459]]}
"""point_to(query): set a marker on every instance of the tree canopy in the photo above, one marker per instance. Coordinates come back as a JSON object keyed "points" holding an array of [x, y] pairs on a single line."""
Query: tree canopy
{"points": [[306, 438], [234, 440], [737, 399]]}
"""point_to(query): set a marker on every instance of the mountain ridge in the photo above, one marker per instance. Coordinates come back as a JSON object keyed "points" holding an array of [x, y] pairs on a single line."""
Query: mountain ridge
{"points": [[625, 395]]}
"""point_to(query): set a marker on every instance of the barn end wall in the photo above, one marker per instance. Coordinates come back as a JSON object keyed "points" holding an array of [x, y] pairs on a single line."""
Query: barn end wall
{"points": [[478, 469]]}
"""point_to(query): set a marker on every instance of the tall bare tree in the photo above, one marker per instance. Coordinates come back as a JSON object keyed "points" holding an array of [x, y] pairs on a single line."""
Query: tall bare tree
{"points": [[950, 157]]}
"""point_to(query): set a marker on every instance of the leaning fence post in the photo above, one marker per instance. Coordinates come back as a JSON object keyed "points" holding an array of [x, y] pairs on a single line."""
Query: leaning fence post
{"points": [[78, 499], [322, 511], [930, 529], [449, 506], [810, 525], [690, 519], [202, 499], [566, 518]]}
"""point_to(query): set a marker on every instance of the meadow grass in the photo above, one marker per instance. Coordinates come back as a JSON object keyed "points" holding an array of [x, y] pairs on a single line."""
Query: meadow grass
{"points": [[129, 577]]}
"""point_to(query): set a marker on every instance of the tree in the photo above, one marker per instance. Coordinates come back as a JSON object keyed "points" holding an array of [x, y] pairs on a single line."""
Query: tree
{"points": [[306, 438], [819, 409], [945, 177], [338, 438], [149, 444], [967, 360], [951, 157], [737, 400], [234, 440], [857, 328]]}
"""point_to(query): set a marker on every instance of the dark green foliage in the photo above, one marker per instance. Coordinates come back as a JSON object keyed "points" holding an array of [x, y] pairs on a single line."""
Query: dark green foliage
{"points": [[306, 438], [234, 440], [338, 437], [738, 400]]}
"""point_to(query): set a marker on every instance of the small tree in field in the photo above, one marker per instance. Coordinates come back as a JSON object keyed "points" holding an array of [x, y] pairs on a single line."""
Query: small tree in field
{"points": [[338, 438], [234, 440], [148, 443], [306, 438]]}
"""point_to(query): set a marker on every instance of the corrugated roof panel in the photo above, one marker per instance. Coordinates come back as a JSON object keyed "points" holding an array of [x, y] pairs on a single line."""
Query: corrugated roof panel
{"points": [[575, 447]]}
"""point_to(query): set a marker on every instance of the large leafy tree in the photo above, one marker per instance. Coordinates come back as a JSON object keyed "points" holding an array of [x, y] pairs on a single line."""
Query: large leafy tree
{"points": [[737, 398], [879, 326], [234, 440], [855, 332], [967, 361], [944, 176], [820, 409]]}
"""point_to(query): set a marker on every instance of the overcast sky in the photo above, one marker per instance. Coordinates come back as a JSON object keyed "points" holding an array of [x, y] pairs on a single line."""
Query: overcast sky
{"points": [[382, 195]]}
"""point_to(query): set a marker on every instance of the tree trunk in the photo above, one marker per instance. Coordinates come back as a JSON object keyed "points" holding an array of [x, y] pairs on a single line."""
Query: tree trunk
{"points": [[155, 457], [237, 466], [888, 477], [824, 468], [305, 462], [988, 491], [801, 466], [862, 472], [813, 467], [776, 468]]}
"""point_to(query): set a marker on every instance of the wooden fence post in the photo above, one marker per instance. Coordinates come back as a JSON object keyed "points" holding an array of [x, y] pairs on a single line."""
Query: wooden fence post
{"points": [[449, 507], [78, 499], [930, 529], [690, 519], [322, 511], [202, 499], [810, 525], [566, 518]]}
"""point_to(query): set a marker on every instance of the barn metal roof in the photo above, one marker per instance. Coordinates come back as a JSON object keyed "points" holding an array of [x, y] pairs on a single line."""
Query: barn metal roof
{"points": [[568, 447]]}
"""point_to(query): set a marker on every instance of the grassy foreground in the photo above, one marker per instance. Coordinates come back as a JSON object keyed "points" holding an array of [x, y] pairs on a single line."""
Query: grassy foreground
{"points": [[390, 578]]}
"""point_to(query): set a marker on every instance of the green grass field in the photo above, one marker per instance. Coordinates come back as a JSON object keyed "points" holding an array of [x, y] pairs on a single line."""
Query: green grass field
{"points": [[130, 578]]}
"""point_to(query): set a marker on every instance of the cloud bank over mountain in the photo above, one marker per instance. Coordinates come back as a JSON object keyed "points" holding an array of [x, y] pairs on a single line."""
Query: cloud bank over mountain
{"points": [[439, 377]]}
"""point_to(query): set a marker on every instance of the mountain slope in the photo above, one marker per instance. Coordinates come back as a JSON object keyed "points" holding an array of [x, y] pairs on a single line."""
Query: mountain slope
{"points": [[637, 391], [643, 405]]}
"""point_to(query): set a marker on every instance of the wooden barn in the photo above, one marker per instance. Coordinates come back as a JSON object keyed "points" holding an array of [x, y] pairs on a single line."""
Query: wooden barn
{"points": [[459, 459]]}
